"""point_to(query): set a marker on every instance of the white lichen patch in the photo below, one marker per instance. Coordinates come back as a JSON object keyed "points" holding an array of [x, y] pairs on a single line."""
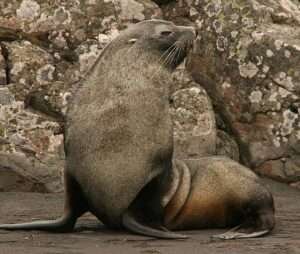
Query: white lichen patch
{"points": [[276, 142], [29, 10], [17, 68], [283, 92], [297, 47], [55, 142], [266, 68], [195, 91], [289, 119], [193, 12], [259, 60], [278, 44], [248, 70], [256, 97], [273, 97], [226, 85], [269, 53], [287, 53], [298, 134], [62, 16], [213, 8], [234, 34], [45, 74], [285, 80], [199, 23], [113, 33], [235, 18], [87, 59], [131, 10], [103, 39]]}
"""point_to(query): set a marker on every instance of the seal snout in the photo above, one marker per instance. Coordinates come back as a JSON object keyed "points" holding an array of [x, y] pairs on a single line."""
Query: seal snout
{"points": [[188, 35]]}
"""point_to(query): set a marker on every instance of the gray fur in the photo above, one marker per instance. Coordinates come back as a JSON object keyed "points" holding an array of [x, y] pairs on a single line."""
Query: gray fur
{"points": [[119, 133]]}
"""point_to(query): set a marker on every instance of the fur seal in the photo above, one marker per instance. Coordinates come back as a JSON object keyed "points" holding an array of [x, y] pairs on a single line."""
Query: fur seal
{"points": [[217, 192], [119, 136]]}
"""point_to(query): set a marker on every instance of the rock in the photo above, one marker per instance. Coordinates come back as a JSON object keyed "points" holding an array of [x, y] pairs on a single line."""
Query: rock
{"points": [[58, 43], [10, 180], [30, 148], [6, 96], [46, 48], [296, 185], [247, 57], [193, 118], [194, 124], [3, 80], [162, 2]]}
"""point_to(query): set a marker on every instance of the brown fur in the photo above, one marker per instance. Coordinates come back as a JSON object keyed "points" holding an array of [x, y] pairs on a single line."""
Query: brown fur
{"points": [[222, 193]]}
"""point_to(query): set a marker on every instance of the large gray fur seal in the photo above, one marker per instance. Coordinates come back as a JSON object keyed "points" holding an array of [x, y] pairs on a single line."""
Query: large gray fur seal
{"points": [[119, 136]]}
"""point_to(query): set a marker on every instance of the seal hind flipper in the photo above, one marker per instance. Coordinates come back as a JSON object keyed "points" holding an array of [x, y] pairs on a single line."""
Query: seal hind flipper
{"points": [[130, 223], [235, 234], [75, 206], [252, 227]]}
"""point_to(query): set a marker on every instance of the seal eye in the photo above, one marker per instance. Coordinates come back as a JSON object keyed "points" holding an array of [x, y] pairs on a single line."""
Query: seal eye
{"points": [[165, 33]]}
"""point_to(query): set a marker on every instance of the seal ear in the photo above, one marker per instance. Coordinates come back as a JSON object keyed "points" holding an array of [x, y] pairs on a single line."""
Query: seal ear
{"points": [[132, 40]]}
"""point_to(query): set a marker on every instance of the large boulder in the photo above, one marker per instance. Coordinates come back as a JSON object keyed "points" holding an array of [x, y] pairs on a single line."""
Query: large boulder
{"points": [[31, 152], [45, 48], [193, 117], [247, 57]]}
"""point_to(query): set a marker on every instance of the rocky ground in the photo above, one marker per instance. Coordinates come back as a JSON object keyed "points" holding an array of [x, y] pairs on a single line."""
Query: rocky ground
{"points": [[241, 97], [90, 237]]}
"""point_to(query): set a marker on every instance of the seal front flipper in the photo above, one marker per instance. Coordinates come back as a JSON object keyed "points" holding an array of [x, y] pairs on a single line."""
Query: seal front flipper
{"points": [[232, 234], [64, 224], [130, 223], [75, 206]]}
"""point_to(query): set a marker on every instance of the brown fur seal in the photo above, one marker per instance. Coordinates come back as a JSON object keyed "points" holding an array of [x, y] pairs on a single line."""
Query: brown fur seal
{"points": [[217, 192], [118, 139]]}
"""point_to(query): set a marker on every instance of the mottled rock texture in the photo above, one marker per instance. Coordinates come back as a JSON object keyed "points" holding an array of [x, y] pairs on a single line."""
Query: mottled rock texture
{"points": [[246, 56], [45, 48]]}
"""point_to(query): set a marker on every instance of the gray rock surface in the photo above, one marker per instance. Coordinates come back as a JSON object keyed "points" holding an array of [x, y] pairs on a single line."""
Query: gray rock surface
{"points": [[247, 57]]}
